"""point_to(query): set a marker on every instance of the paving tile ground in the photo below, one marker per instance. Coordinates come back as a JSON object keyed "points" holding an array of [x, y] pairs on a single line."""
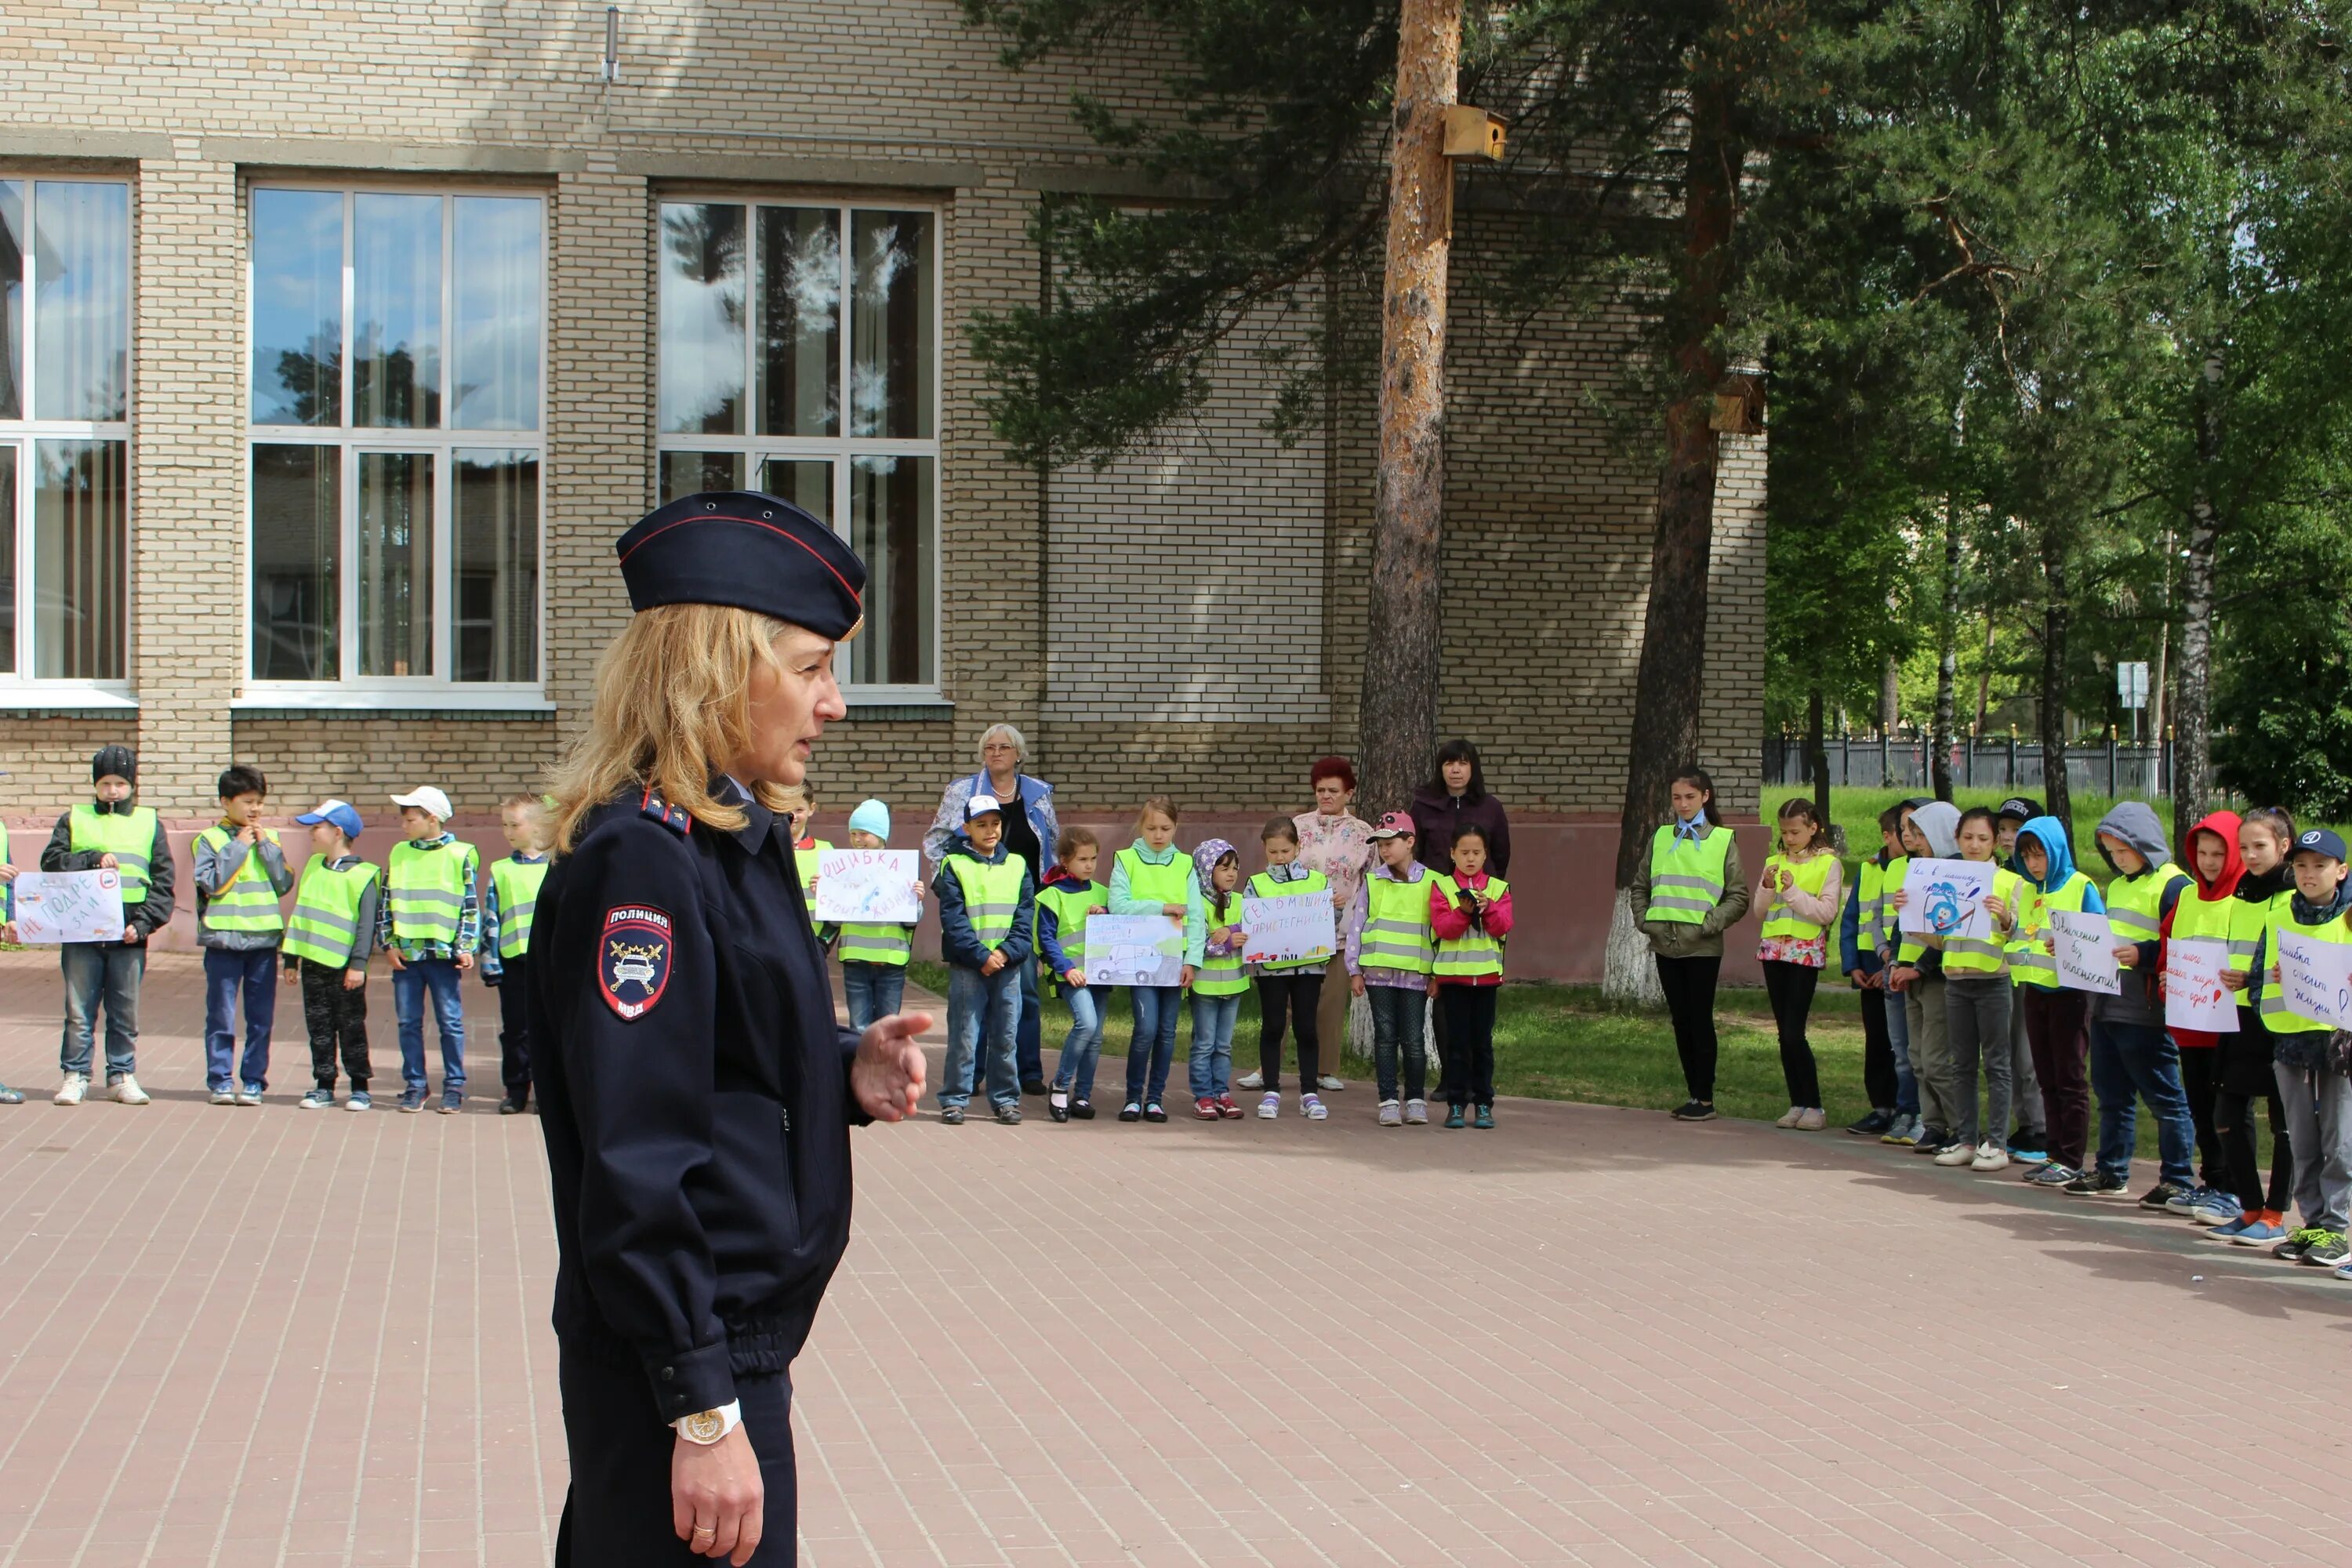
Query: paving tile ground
{"points": [[270, 1336]]}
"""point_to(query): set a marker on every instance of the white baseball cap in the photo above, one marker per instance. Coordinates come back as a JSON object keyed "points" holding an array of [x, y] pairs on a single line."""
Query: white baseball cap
{"points": [[426, 798]]}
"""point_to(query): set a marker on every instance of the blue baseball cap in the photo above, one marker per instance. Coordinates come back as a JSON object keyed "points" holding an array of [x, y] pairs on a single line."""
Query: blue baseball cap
{"points": [[2320, 841], [340, 812]]}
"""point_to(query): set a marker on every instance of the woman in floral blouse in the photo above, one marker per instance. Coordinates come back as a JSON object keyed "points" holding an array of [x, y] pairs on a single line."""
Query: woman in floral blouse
{"points": [[1335, 842]]}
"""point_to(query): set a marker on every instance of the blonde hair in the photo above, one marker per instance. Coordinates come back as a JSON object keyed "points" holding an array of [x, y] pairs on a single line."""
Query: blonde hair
{"points": [[1164, 804], [528, 804], [672, 705]]}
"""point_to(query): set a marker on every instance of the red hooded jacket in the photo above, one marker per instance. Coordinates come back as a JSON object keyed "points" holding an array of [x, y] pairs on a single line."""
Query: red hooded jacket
{"points": [[2222, 824]]}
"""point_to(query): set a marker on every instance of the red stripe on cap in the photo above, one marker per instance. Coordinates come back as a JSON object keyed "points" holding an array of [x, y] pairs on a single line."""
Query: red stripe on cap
{"points": [[723, 517]]}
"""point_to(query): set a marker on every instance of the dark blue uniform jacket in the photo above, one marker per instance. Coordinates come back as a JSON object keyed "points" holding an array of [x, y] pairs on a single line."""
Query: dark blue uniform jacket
{"points": [[695, 1097]]}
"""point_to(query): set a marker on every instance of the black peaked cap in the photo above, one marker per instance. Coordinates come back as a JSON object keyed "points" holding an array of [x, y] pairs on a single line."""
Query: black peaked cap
{"points": [[755, 552]]}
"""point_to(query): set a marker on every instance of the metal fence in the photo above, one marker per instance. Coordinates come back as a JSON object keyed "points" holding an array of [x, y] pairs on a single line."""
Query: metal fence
{"points": [[2101, 767]]}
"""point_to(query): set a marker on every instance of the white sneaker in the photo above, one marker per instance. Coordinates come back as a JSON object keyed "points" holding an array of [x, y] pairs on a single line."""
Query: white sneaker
{"points": [[1990, 1157], [1416, 1113], [126, 1091], [222, 1097], [1392, 1115], [1812, 1122], [1789, 1118], [1270, 1107], [70, 1092], [1954, 1154], [248, 1095], [1312, 1107], [1253, 1078], [1329, 1084]]}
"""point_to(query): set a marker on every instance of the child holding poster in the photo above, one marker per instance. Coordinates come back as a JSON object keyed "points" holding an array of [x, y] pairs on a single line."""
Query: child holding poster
{"points": [[2317, 1096], [2264, 839], [1218, 984], [1070, 896], [1152, 877], [1469, 914], [2053, 1013], [874, 954], [1977, 998], [1296, 987], [1917, 977], [2199, 930]]}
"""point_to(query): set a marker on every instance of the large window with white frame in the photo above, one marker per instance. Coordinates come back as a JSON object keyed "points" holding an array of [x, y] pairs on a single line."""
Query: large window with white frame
{"points": [[395, 436], [798, 354], [64, 431]]}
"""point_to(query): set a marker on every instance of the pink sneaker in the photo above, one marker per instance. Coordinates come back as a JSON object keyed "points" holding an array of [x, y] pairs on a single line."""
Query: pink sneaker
{"points": [[1205, 1110], [1227, 1109]]}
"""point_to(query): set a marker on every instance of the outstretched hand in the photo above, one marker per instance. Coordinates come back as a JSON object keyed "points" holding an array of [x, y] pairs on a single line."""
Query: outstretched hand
{"points": [[888, 1072]]}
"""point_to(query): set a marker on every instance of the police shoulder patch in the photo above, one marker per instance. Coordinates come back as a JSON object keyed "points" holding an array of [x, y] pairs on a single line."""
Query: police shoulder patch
{"points": [[632, 959], [674, 817]]}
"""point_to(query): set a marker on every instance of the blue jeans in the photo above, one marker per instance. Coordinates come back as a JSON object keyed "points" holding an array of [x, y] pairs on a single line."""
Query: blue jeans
{"points": [[226, 975], [1213, 1044], [1083, 1048], [1156, 1008], [2130, 1062], [1898, 1036], [873, 990], [982, 1004], [1029, 1036], [408, 987], [1400, 1020], [100, 971]]}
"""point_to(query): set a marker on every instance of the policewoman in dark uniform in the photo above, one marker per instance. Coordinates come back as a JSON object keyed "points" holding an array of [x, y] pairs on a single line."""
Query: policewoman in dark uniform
{"points": [[696, 1094]]}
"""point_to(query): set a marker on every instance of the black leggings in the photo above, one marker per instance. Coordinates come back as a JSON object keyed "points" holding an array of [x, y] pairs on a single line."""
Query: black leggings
{"points": [[1790, 987], [1300, 991], [2201, 1077], [1467, 1075], [1878, 1081], [1689, 985], [2234, 1118]]}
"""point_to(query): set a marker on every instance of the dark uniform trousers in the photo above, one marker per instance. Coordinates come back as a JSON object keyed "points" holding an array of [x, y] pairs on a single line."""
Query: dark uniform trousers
{"points": [[618, 1513], [514, 1026]]}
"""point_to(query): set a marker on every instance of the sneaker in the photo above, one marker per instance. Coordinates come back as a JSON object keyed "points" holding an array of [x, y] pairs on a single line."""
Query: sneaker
{"points": [[1903, 1132], [1155, 1112], [1082, 1111], [2345, 1272], [2218, 1208], [222, 1097], [1956, 1154], [1688, 1110], [2291, 1249], [452, 1101], [1270, 1106], [1454, 1116], [1989, 1156], [1227, 1109], [316, 1099], [2260, 1229], [11, 1096], [1131, 1111], [1392, 1114], [1205, 1109], [248, 1094], [2184, 1199], [1815, 1119], [949, 1115], [1416, 1113], [2163, 1196], [2229, 1229], [359, 1101], [2029, 1151], [1329, 1084], [1484, 1120], [412, 1100], [70, 1092], [1253, 1078], [2051, 1174], [1058, 1105], [1789, 1117], [1311, 1106], [2328, 1250], [1932, 1139], [125, 1090], [2090, 1182], [1008, 1115], [1876, 1124], [509, 1106]]}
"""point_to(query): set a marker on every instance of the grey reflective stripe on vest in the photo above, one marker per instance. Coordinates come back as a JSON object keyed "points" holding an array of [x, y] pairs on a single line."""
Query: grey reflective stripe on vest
{"points": [[2035, 964], [1706, 893], [2134, 924], [1397, 938], [424, 910], [856, 940], [2240, 949], [1976, 947], [311, 915]]}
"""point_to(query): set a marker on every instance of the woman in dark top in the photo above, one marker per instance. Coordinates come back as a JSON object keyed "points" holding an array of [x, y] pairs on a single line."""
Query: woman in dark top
{"points": [[1455, 799]]}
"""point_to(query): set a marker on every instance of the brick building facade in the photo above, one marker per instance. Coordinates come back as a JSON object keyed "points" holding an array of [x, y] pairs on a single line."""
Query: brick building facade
{"points": [[519, 276]]}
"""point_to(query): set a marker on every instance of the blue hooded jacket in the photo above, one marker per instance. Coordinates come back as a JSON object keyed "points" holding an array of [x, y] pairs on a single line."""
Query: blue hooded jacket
{"points": [[2051, 834]]}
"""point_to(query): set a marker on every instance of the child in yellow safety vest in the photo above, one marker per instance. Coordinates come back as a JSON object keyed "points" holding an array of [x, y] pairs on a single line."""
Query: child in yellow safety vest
{"points": [[430, 931], [328, 943], [1798, 895], [986, 921], [1391, 956], [2308, 1055], [110, 833], [1070, 898], [1219, 982], [506, 911], [2265, 835], [1469, 914], [240, 876], [874, 953]]}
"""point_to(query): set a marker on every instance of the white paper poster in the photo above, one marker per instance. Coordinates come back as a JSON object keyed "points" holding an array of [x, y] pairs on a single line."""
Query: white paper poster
{"points": [[1947, 897], [2084, 947], [1288, 931], [70, 906], [2315, 977], [872, 887], [2194, 997], [1134, 950]]}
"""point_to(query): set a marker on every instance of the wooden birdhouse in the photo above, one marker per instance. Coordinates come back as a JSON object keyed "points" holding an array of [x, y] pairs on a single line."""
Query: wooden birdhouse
{"points": [[1738, 406], [1473, 133]]}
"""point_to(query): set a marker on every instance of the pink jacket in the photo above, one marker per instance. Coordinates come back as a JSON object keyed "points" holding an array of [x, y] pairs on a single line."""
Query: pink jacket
{"points": [[1450, 922], [1821, 912]]}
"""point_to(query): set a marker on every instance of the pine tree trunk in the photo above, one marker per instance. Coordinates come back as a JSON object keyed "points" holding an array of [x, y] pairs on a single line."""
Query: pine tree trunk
{"points": [[1669, 683], [2055, 614], [1948, 663], [1397, 713], [2192, 752]]}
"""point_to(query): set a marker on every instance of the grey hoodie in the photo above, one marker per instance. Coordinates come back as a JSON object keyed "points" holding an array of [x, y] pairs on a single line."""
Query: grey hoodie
{"points": [[2135, 824], [1938, 821]]}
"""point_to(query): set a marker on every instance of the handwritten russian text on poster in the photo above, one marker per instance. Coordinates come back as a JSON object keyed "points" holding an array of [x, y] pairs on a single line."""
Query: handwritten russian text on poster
{"points": [[2315, 977], [2084, 947], [70, 906], [874, 887], [2194, 997], [1134, 950], [1288, 931], [1947, 898]]}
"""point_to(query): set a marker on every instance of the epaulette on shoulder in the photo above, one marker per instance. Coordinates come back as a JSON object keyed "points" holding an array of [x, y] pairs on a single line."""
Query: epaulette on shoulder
{"points": [[674, 817]]}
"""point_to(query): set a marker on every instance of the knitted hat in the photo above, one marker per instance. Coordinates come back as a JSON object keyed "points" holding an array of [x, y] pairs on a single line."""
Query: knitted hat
{"points": [[871, 816], [119, 761]]}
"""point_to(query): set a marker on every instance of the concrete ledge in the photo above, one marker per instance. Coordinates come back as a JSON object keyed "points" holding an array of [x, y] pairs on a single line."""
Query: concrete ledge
{"points": [[1107, 180], [446, 157], [20, 142], [902, 174], [541, 714]]}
